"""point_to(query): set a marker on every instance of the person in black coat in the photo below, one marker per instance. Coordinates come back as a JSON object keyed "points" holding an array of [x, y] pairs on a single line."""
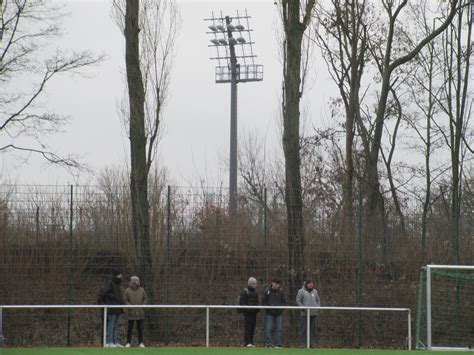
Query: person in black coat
{"points": [[273, 296], [112, 294], [249, 297]]}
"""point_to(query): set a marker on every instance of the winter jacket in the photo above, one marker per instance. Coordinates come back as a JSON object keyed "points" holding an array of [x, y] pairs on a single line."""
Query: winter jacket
{"points": [[307, 298], [273, 297], [249, 298], [134, 295], [111, 294]]}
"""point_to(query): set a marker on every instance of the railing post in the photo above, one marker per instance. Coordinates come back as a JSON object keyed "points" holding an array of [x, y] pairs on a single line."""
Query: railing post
{"points": [[409, 330], [207, 327], [104, 331], [308, 330]]}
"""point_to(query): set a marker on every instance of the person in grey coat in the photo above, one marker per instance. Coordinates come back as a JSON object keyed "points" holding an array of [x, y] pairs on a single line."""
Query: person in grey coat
{"points": [[308, 297]]}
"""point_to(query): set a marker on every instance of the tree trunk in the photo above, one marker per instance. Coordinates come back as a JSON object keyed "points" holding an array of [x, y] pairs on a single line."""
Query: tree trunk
{"points": [[294, 30], [138, 144]]}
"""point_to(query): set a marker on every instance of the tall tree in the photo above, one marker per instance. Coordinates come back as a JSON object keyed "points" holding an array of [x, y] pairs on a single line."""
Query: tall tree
{"points": [[343, 41], [150, 29], [296, 16], [26, 28], [387, 65], [456, 104]]}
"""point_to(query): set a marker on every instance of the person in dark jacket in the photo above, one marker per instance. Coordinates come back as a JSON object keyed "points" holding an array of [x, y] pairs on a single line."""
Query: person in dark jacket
{"points": [[249, 297], [111, 294], [273, 296], [308, 297]]}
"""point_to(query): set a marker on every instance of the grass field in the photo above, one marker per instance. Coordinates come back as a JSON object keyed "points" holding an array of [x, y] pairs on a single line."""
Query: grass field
{"points": [[209, 351]]}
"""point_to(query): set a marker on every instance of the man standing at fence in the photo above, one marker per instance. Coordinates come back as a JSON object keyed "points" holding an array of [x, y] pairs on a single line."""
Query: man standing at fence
{"points": [[308, 297], [249, 297], [273, 296], [135, 295], [111, 294]]}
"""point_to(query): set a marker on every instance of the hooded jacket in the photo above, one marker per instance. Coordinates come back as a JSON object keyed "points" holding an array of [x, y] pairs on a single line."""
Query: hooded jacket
{"points": [[308, 298], [111, 294], [134, 295]]}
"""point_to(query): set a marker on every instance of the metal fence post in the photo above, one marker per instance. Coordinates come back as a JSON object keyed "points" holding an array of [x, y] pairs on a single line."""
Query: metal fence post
{"points": [[308, 330], [1, 327], [409, 330], [207, 327], [265, 232], [168, 258], [69, 283], [104, 331]]}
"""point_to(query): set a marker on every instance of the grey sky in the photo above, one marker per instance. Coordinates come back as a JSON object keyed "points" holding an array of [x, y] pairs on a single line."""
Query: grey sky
{"points": [[196, 120]]}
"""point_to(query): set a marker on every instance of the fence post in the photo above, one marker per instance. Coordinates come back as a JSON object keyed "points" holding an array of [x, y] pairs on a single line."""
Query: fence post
{"points": [[409, 330], [168, 258], [265, 233], [1, 327], [69, 283], [207, 327], [360, 263], [104, 331], [308, 328]]}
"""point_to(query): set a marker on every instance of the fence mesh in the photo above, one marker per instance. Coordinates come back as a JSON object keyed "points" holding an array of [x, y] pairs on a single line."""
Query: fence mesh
{"points": [[58, 245]]}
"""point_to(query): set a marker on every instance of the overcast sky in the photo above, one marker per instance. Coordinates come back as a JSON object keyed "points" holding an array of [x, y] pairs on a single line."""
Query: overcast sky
{"points": [[195, 139]]}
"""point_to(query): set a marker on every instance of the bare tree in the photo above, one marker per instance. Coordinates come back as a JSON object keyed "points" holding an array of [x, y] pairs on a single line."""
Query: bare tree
{"points": [[296, 16], [456, 103], [26, 27], [387, 65], [343, 41], [150, 29]]}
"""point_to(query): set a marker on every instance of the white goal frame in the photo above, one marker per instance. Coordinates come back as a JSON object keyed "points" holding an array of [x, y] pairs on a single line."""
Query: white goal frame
{"points": [[429, 339], [209, 307]]}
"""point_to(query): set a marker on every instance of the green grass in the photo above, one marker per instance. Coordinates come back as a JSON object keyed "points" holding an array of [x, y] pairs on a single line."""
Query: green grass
{"points": [[204, 351]]}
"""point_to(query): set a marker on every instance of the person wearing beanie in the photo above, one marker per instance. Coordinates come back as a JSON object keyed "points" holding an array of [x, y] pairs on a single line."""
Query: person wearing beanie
{"points": [[249, 297], [135, 295], [273, 296], [111, 294], [308, 297]]}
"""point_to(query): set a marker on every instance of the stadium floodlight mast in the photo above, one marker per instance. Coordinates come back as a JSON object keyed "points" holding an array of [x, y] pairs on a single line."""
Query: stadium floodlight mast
{"points": [[231, 37]]}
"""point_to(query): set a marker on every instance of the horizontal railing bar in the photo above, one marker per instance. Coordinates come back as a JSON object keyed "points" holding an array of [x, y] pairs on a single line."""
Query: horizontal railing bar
{"points": [[459, 267], [181, 306]]}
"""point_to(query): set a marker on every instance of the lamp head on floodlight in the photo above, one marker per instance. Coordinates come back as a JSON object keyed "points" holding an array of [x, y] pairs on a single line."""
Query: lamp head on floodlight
{"points": [[235, 56]]}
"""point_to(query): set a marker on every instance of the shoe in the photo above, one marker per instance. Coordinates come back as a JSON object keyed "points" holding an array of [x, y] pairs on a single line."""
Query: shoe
{"points": [[278, 347], [111, 345], [118, 345], [250, 346], [141, 345], [127, 345]]}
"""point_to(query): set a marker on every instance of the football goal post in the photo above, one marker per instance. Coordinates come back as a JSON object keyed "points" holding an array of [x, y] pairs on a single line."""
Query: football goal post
{"points": [[445, 311]]}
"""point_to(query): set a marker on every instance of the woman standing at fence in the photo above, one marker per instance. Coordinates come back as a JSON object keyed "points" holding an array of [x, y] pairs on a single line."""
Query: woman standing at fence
{"points": [[111, 294], [308, 297], [249, 297], [135, 295]]}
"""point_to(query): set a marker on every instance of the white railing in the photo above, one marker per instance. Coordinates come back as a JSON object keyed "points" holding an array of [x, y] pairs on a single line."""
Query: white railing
{"points": [[209, 307]]}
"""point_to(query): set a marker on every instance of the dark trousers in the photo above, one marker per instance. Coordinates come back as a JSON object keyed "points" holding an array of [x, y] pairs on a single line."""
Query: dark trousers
{"points": [[304, 333], [130, 330], [250, 320]]}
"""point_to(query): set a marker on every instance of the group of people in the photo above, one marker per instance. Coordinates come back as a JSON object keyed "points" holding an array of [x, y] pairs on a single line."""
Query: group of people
{"points": [[113, 294], [307, 296]]}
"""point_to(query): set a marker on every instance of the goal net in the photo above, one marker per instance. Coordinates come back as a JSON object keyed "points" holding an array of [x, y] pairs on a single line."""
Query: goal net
{"points": [[445, 311]]}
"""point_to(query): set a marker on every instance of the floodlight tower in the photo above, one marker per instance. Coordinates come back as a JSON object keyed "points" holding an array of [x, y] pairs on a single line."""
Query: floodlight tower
{"points": [[229, 50]]}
